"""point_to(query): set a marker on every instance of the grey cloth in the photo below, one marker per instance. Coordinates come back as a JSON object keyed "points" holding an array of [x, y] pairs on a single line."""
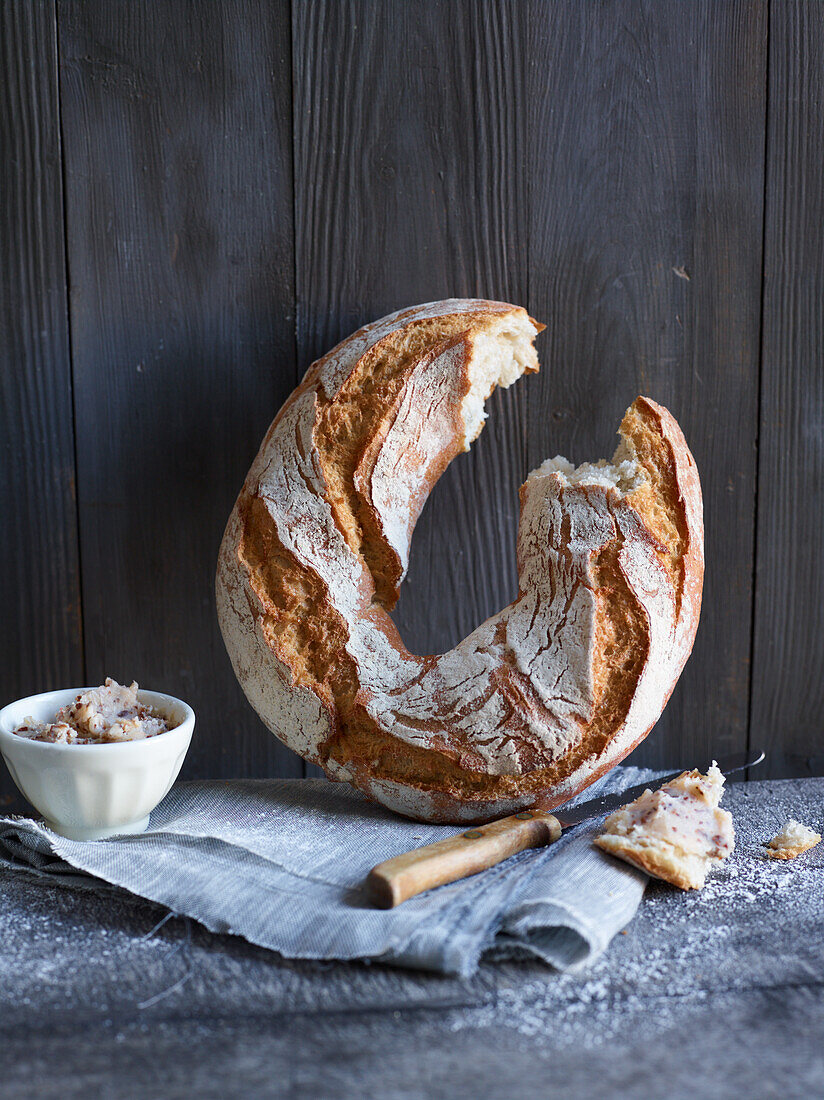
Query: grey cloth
{"points": [[282, 863]]}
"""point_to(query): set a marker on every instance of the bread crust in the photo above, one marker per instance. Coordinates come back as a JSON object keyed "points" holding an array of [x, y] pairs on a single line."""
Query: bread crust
{"points": [[790, 853], [537, 702], [655, 861]]}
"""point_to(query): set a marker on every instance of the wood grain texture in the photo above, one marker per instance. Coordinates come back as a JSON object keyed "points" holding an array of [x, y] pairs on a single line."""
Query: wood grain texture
{"points": [[409, 139], [788, 657], [396, 880], [179, 206], [41, 645], [646, 180], [601, 163]]}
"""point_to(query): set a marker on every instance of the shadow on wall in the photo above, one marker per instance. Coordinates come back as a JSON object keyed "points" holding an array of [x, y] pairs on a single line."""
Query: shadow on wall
{"points": [[181, 428]]}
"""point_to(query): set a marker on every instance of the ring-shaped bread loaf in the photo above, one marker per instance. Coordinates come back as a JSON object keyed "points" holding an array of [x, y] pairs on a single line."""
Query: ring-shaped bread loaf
{"points": [[545, 696]]}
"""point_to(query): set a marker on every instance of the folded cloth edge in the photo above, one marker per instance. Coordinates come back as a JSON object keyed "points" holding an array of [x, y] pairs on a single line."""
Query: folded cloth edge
{"points": [[487, 915]]}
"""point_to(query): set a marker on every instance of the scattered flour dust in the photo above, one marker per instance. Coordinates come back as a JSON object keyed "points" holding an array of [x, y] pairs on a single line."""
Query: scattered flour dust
{"points": [[681, 950]]}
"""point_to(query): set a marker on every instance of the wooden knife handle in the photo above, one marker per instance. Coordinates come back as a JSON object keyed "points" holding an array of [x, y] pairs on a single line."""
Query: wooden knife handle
{"points": [[469, 852]]}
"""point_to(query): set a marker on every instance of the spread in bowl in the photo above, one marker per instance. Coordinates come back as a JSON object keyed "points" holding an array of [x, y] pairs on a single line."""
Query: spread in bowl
{"points": [[98, 716], [95, 761]]}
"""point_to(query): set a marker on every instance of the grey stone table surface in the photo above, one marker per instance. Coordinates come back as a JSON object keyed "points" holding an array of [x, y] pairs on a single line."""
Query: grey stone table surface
{"points": [[709, 994]]}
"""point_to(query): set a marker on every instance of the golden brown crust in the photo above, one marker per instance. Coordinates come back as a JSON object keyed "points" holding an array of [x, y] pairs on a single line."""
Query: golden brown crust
{"points": [[789, 853], [794, 840], [318, 543], [654, 861]]}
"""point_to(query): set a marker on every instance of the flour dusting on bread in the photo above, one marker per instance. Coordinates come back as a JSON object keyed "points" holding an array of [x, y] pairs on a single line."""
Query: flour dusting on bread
{"points": [[539, 700]]}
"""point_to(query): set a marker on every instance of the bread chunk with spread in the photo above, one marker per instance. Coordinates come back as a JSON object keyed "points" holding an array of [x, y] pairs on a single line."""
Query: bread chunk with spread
{"points": [[676, 833]]}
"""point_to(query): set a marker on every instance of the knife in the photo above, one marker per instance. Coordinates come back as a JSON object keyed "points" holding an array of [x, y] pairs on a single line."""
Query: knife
{"points": [[467, 853]]}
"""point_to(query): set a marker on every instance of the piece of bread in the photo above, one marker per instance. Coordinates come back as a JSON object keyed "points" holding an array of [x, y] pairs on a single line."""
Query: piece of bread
{"points": [[792, 841], [538, 701], [675, 833]]}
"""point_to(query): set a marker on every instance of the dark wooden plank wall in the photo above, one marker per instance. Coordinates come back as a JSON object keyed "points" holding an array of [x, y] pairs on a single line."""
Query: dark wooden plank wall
{"points": [[788, 678], [181, 265], [647, 174], [41, 644], [246, 182], [402, 198]]}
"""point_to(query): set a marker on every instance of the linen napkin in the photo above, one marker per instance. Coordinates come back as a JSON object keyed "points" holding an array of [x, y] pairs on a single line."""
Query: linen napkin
{"points": [[282, 863]]}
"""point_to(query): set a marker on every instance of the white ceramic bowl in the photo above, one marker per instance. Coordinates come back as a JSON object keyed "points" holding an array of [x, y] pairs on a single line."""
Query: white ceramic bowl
{"points": [[87, 792]]}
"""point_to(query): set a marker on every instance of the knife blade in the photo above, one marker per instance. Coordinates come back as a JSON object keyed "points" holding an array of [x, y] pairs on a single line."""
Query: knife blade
{"points": [[476, 849], [594, 807]]}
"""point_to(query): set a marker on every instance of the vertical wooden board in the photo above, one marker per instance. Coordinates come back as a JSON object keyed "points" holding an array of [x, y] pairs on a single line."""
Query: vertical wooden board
{"points": [[409, 146], [41, 643], [788, 658], [177, 130], [646, 182]]}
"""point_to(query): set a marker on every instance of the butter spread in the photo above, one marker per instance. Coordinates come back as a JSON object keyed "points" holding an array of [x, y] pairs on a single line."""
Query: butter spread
{"points": [[101, 715]]}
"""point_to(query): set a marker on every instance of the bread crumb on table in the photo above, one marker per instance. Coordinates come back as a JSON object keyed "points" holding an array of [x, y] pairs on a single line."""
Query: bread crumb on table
{"points": [[793, 840]]}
